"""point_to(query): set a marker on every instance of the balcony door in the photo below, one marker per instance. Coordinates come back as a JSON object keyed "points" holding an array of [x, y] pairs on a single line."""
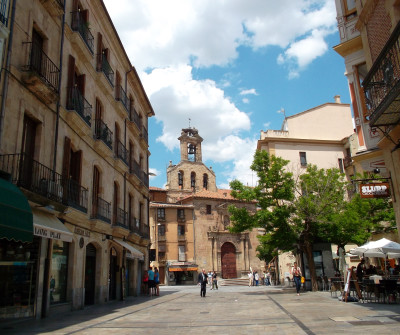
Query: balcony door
{"points": [[27, 152], [36, 53]]}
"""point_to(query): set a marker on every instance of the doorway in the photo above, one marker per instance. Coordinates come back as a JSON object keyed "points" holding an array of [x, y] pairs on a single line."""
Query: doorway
{"points": [[90, 274], [112, 280], [228, 261]]}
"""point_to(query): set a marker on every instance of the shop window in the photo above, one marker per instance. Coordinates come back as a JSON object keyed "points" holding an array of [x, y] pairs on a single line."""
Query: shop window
{"points": [[59, 275]]}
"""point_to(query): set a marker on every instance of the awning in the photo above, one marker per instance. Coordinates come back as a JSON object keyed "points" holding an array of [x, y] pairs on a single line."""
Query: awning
{"points": [[134, 252], [48, 226], [182, 269], [15, 213]]}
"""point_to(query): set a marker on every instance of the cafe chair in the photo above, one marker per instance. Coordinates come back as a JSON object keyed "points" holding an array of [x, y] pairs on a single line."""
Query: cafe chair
{"points": [[389, 289]]}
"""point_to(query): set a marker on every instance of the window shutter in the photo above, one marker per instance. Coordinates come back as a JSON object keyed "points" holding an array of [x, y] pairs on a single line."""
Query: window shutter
{"points": [[67, 158], [70, 83], [99, 51]]}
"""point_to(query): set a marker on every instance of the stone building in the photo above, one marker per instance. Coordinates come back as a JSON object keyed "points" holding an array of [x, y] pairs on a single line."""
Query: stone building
{"points": [[369, 43], [191, 216], [74, 160], [318, 136]]}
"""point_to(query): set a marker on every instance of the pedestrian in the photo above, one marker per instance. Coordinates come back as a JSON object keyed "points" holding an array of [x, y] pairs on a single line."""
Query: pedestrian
{"points": [[157, 281], [256, 277], [296, 273], [209, 278], [267, 279], [145, 282], [250, 278], [151, 281], [360, 270], [215, 281], [202, 281]]}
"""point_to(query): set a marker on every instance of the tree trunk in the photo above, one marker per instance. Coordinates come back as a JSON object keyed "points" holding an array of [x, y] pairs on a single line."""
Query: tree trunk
{"points": [[308, 250]]}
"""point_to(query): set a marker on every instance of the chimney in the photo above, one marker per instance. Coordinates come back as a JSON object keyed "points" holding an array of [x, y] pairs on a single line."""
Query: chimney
{"points": [[337, 99]]}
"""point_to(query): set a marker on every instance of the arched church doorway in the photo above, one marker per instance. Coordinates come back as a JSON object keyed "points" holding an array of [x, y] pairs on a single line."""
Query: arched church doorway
{"points": [[228, 261], [90, 274]]}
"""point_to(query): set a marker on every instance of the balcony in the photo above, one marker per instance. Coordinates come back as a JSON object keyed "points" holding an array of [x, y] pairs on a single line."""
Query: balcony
{"points": [[382, 84], [4, 13], [121, 96], [181, 218], [182, 237], [41, 180], [105, 67], [121, 218], [77, 102], [54, 7], [134, 224], [79, 25], [122, 153], [103, 133], [134, 117], [144, 177], [101, 210], [42, 75], [134, 168]]}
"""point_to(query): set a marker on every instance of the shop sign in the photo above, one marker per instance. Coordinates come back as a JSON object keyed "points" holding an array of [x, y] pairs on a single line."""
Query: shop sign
{"points": [[43, 232], [374, 190], [81, 231]]}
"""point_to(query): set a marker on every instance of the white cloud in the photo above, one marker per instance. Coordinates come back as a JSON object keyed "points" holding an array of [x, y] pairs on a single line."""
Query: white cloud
{"points": [[176, 97], [249, 91]]}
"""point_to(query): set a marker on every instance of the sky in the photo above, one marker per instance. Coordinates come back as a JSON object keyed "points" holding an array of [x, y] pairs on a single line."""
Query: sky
{"points": [[228, 69]]}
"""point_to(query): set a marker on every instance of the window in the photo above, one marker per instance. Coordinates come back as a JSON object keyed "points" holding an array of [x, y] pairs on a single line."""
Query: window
{"points": [[340, 162], [208, 209], [303, 159], [205, 181], [181, 230], [59, 272], [180, 179], [350, 8], [181, 253], [181, 214], [161, 213], [193, 180], [161, 230]]}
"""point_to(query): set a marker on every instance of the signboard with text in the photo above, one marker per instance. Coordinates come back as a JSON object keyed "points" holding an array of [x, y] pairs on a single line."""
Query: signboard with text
{"points": [[374, 190]]}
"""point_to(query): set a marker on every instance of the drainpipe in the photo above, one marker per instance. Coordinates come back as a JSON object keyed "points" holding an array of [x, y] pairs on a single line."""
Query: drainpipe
{"points": [[59, 92], [7, 69]]}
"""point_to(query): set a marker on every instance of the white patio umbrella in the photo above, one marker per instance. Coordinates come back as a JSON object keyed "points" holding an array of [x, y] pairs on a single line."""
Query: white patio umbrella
{"points": [[381, 248]]}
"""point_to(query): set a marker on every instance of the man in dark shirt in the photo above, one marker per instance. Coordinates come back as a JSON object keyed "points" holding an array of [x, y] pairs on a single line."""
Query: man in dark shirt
{"points": [[202, 281]]}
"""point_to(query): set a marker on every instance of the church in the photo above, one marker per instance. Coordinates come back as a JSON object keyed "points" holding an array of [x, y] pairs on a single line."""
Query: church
{"points": [[189, 222]]}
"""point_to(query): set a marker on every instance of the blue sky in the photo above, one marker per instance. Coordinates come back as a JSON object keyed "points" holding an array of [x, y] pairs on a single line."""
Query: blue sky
{"points": [[229, 66]]}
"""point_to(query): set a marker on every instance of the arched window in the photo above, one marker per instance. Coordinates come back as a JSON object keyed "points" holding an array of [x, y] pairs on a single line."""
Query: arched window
{"points": [[193, 180], [180, 179], [205, 181]]}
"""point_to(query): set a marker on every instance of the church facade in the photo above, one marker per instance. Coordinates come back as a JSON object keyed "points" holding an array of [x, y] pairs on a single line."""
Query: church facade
{"points": [[189, 222]]}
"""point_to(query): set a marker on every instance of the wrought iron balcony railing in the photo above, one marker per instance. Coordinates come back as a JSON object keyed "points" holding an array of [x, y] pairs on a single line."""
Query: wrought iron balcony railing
{"points": [[134, 117], [102, 132], [144, 178], [122, 153], [101, 210], [38, 178], [77, 102], [121, 96], [3, 12], [382, 84], [79, 25], [106, 69], [134, 225], [134, 168], [43, 66], [121, 218]]}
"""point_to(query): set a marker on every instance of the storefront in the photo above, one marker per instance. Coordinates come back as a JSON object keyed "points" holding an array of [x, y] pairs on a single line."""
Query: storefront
{"points": [[18, 254], [182, 273]]}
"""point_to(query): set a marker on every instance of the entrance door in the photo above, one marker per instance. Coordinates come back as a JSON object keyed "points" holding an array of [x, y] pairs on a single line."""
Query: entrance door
{"points": [[112, 294], [90, 274], [228, 260]]}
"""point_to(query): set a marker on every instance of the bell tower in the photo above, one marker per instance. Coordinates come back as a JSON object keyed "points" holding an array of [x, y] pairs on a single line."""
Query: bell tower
{"points": [[190, 145]]}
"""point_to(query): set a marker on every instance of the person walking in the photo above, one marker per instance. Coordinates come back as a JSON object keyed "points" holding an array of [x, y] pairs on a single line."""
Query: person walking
{"points": [[151, 281], [215, 281], [209, 278], [296, 273], [250, 278], [202, 281], [256, 278], [157, 281], [145, 282]]}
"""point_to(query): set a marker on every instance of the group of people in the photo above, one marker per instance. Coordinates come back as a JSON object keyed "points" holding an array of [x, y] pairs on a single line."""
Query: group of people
{"points": [[151, 282], [205, 279], [255, 278]]}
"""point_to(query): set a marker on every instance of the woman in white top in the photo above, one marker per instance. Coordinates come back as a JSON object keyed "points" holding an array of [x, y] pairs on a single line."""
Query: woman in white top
{"points": [[296, 273]]}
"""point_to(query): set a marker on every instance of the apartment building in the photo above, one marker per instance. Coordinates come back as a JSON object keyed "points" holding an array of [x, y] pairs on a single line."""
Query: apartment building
{"points": [[317, 136], [189, 222], [369, 43], [73, 160]]}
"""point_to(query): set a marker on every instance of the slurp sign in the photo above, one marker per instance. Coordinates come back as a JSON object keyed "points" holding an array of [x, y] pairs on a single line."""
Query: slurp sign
{"points": [[374, 190]]}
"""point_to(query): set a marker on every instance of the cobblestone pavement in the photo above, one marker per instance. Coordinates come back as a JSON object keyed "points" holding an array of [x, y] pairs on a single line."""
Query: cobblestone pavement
{"points": [[229, 310]]}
